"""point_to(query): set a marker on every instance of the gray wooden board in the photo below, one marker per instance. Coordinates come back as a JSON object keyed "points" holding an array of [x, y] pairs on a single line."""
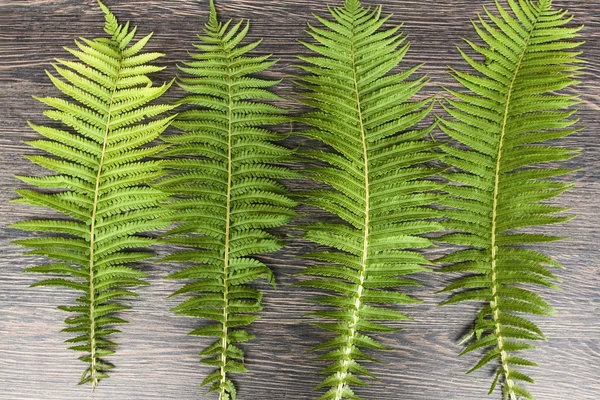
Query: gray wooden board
{"points": [[156, 360]]}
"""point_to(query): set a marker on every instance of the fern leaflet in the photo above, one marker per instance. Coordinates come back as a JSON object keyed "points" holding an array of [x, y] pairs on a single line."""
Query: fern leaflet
{"points": [[225, 192], [382, 194], [99, 183], [499, 187]]}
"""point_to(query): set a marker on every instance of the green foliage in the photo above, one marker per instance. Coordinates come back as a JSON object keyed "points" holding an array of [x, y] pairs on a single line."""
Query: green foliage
{"points": [[499, 124], [382, 194], [99, 182], [225, 192]]}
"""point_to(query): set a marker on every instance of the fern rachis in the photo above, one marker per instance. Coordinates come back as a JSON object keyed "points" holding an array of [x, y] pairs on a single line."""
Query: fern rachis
{"points": [[224, 192], [514, 106], [381, 193], [100, 183]]}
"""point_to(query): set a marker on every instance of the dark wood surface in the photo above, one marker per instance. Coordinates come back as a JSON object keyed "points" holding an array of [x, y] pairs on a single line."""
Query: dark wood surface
{"points": [[156, 360]]}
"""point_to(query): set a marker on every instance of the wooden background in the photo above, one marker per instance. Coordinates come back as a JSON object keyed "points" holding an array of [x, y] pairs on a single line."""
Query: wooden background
{"points": [[156, 360]]}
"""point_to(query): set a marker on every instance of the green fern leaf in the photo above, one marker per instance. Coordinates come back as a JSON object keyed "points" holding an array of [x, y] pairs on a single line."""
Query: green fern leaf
{"points": [[511, 106], [100, 182], [382, 195], [224, 192]]}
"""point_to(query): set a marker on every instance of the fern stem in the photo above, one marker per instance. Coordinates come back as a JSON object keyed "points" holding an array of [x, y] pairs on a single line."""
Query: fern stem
{"points": [[508, 387], [92, 288], [363, 272], [224, 341]]}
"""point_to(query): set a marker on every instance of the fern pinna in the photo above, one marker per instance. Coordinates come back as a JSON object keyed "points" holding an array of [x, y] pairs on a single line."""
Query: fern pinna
{"points": [[382, 194], [99, 183], [499, 125], [224, 191]]}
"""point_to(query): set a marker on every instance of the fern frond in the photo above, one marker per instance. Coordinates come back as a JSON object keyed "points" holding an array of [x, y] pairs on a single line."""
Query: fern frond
{"points": [[382, 191], [225, 192], [510, 107], [100, 182]]}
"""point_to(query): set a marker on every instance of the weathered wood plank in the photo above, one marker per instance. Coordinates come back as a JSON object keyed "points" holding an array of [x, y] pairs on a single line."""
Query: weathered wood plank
{"points": [[156, 360]]}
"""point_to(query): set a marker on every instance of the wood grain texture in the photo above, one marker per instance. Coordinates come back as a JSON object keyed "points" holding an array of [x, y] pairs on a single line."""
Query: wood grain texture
{"points": [[156, 360]]}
